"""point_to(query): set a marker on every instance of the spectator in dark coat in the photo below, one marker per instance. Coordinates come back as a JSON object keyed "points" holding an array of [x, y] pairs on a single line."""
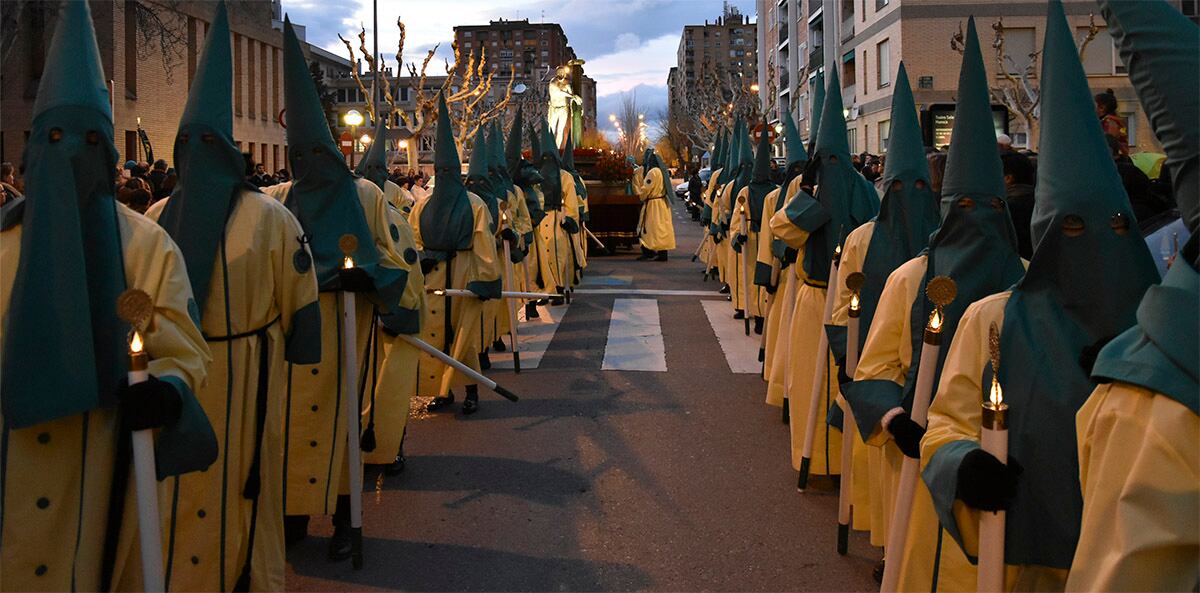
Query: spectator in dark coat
{"points": [[1019, 179]]}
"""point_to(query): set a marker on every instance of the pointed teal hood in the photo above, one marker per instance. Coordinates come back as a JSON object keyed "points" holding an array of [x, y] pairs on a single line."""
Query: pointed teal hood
{"points": [[528, 175], [743, 162], [479, 174], [1161, 51], [64, 347], [797, 157], [847, 197], [714, 159], [374, 166], [323, 196], [818, 106], [446, 222], [209, 164], [972, 164], [760, 184], [1089, 270], [908, 214], [550, 167]]}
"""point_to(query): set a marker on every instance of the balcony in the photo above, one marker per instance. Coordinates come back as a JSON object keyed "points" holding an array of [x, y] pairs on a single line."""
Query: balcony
{"points": [[784, 78], [847, 30], [814, 6], [783, 34]]}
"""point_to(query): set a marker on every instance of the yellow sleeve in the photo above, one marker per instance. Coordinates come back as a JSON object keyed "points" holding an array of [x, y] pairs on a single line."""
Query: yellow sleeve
{"points": [[296, 290], [278, 191], [652, 187], [375, 208], [854, 254], [483, 245], [570, 199], [413, 298], [639, 180], [765, 236], [782, 227]]}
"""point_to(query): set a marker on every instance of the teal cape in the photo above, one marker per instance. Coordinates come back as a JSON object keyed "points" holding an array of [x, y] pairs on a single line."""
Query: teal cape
{"points": [[447, 222], [760, 182], [373, 166]]}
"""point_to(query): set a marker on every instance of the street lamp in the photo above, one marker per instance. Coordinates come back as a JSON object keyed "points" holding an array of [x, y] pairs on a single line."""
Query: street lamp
{"points": [[353, 119], [754, 87], [365, 139]]}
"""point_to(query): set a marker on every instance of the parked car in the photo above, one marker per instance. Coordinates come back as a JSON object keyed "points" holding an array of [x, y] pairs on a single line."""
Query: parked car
{"points": [[681, 190]]}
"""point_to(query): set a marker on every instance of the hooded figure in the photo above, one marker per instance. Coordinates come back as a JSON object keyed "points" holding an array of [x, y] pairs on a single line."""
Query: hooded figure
{"points": [[216, 218], [818, 106], [907, 217], [330, 202], [1138, 430], [656, 232], [755, 193], [844, 200], [373, 167], [481, 179], [550, 248], [723, 206], [458, 250], [714, 178], [69, 251], [1090, 268], [550, 167], [558, 188], [579, 212]]}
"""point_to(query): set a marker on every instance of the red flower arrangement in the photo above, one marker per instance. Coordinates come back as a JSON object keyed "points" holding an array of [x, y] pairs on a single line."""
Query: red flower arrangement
{"points": [[610, 165]]}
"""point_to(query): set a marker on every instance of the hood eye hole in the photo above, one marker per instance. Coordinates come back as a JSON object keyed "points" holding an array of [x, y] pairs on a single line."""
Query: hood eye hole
{"points": [[897, 185], [184, 137], [92, 137], [920, 184], [997, 204], [207, 138], [966, 204], [56, 134], [316, 150], [1073, 226], [1119, 223]]}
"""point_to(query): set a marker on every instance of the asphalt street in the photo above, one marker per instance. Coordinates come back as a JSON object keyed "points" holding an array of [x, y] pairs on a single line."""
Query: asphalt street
{"points": [[603, 480]]}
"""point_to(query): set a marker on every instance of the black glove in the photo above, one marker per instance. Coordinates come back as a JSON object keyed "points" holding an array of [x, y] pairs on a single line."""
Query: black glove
{"points": [[427, 266], [516, 255], [985, 483], [842, 377], [717, 238], [907, 434], [153, 403], [738, 240], [508, 235], [355, 280], [569, 225]]}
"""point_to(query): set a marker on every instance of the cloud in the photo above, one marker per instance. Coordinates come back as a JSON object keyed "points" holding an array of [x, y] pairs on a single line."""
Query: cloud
{"points": [[626, 41], [646, 64]]}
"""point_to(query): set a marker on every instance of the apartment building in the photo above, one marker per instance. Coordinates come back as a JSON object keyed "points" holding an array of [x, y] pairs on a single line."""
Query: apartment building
{"points": [[728, 45]]}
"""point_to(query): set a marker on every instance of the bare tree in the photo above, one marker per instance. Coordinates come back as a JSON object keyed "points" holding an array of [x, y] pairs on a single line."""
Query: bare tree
{"points": [[1019, 93], [630, 120], [716, 98]]}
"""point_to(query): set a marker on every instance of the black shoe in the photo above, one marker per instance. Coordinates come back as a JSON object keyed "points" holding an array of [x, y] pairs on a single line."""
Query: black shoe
{"points": [[295, 528], [485, 362], [646, 254], [471, 403], [394, 468], [724, 289], [531, 311], [499, 346], [556, 301], [662, 256], [758, 325], [441, 401], [738, 314], [339, 543]]}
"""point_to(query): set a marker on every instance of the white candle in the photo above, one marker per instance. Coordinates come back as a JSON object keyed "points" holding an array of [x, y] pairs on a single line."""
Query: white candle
{"points": [[993, 438], [848, 429], [145, 479], [352, 413], [822, 366]]}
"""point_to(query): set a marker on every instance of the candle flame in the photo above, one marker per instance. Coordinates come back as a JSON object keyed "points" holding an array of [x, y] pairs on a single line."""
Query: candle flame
{"points": [[135, 343], [348, 262], [838, 250], [996, 396], [439, 292], [935, 320], [854, 302]]}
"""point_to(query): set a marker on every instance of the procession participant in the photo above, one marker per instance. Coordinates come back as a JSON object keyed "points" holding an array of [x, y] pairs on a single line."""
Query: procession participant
{"points": [[529, 180], [774, 258], [524, 222], [908, 215], [843, 201], [570, 222], [67, 252], [555, 246], [1051, 326], [457, 250], [258, 308], [976, 247], [724, 207], [482, 181], [510, 222], [373, 167], [579, 240], [656, 231], [330, 203], [708, 244], [746, 237], [1138, 463]]}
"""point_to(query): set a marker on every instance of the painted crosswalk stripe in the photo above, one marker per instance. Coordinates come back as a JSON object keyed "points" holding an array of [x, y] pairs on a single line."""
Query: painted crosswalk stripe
{"points": [[535, 336], [741, 351], [649, 292], [635, 339]]}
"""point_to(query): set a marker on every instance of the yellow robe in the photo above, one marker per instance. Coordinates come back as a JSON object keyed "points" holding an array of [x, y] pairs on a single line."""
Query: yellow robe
{"points": [[398, 196], [779, 315], [522, 224], [479, 264], [656, 231], [955, 415], [395, 361], [205, 515], [740, 226], [1139, 466], [707, 252], [725, 256], [570, 209], [54, 512], [554, 248], [314, 424], [803, 334], [869, 484]]}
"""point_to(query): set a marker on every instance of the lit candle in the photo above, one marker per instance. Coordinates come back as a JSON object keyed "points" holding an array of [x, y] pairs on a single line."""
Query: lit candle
{"points": [[993, 438], [854, 282], [348, 262], [138, 361]]}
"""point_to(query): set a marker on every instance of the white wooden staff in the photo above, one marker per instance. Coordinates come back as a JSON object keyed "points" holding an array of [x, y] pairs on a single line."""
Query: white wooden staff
{"points": [[508, 283], [505, 294], [941, 290], [595, 239], [349, 244], [745, 257], [993, 438], [818, 385], [771, 298], [136, 308], [854, 282], [448, 360]]}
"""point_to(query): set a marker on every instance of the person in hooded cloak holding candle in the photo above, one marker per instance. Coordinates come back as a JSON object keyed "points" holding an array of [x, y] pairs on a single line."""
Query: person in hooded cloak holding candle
{"points": [[556, 227], [68, 250], [457, 250], [393, 362], [330, 202], [791, 275], [579, 240], [258, 311], [907, 217], [656, 231], [735, 175], [1051, 326], [520, 203], [707, 253], [1138, 462], [976, 247], [510, 220], [528, 180], [483, 182], [746, 229], [815, 227]]}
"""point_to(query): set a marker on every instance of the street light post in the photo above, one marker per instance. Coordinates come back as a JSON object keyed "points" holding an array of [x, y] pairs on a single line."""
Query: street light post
{"points": [[353, 119]]}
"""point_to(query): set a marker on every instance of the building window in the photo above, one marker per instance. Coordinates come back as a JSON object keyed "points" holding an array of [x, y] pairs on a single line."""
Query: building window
{"points": [[251, 79], [467, 45], [885, 133], [1190, 9], [883, 63], [238, 73], [1100, 58], [131, 59], [852, 139], [849, 74], [467, 34], [1018, 46], [879, 4], [264, 51]]}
